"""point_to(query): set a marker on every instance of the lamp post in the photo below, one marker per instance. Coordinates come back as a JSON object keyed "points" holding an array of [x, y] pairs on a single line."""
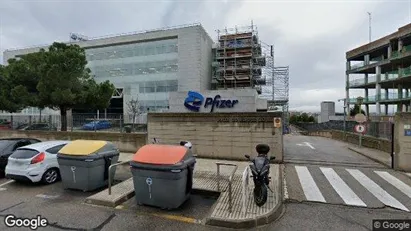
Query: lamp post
{"points": [[345, 114], [360, 100]]}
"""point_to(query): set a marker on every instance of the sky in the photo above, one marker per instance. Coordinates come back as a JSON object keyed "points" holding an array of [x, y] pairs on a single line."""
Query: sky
{"points": [[311, 37]]}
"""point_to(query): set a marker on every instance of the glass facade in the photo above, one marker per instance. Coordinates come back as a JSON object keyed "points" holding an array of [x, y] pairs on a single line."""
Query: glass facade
{"points": [[147, 70]]}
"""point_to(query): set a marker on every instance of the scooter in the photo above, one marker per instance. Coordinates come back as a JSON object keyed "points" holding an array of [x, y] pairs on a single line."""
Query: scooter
{"points": [[260, 169]]}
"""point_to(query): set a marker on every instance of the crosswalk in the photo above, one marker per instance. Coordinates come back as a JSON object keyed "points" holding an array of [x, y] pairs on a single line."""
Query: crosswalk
{"points": [[355, 187]]}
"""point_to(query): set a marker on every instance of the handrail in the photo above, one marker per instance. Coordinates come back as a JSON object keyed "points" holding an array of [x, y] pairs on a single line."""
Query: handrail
{"points": [[246, 177], [230, 180], [109, 174]]}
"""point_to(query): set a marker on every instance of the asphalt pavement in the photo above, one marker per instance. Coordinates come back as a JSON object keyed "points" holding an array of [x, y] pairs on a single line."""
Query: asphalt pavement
{"points": [[328, 187]]}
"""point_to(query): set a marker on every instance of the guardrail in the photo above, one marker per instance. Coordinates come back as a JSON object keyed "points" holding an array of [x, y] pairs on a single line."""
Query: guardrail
{"points": [[246, 179], [109, 174], [230, 180]]}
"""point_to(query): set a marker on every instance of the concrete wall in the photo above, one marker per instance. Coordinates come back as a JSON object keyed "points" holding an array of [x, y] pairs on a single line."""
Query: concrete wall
{"points": [[367, 141], [218, 135], [247, 100], [124, 141], [402, 143]]}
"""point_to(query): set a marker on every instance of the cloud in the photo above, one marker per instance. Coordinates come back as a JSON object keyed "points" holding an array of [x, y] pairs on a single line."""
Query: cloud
{"points": [[309, 36]]}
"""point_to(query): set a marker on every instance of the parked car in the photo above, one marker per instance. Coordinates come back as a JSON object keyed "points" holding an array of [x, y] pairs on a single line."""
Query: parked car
{"points": [[5, 125], [36, 162], [39, 127], [8, 146], [97, 125]]}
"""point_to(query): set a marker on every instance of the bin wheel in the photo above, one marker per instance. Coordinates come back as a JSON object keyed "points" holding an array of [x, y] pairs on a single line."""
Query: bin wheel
{"points": [[51, 176]]}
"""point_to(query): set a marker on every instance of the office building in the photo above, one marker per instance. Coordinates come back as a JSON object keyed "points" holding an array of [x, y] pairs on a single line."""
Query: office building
{"points": [[382, 68]]}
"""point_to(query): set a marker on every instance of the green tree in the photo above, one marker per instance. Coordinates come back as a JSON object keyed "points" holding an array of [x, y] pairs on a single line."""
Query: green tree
{"points": [[58, 78], [304, 117], [311, 119], [294, 119], [8, 101], [355, 110]]}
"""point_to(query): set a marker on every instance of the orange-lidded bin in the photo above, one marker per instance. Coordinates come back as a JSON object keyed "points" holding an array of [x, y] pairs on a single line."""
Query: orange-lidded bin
{"points": [[162, 175]]}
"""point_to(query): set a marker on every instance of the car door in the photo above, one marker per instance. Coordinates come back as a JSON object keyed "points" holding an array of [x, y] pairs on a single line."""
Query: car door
{"points": [[52, 155]]}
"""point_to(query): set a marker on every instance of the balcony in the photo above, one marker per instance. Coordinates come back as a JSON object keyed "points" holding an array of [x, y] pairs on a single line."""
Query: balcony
{"points": [[357, 65], [359, 82], [405, 72], [369, 99]]}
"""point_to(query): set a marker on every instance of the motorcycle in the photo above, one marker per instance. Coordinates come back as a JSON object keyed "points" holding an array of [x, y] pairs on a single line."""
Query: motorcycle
{"points": [[260, 170]]}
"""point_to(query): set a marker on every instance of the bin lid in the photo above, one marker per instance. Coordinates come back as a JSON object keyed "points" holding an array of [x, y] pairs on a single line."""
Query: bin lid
{"points": [[82, 147], [160, 154]]}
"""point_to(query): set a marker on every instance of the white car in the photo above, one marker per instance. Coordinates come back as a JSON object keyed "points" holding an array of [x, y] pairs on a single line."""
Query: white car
{"points": [[36, 162]]}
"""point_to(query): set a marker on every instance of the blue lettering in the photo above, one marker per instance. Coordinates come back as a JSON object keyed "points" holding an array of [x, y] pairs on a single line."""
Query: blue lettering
{"points": [[209, 101], [194, 101], [228, 103], [223, 102]]}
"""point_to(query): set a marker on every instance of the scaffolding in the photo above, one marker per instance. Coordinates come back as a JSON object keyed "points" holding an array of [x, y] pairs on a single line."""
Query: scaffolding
{"points": [[238, 59]]}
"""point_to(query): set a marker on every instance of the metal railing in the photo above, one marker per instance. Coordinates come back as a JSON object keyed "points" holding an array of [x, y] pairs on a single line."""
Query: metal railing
{"points": [[230, 180], [246, 177], [109, 174]]}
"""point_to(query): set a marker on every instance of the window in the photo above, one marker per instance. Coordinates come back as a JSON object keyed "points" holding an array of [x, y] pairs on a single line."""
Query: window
{"points": [[24, 153], [21, 144], [56, 149]]}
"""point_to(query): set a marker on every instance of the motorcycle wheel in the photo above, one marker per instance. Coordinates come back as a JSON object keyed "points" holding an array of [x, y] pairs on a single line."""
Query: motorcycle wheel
{"points": [[260, 195]]}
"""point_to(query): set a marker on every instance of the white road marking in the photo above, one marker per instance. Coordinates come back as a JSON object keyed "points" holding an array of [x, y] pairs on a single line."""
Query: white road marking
{"points": [[376, 190], [345, 192], [406, 189], [311, 190], [309, 145], [3, 189], [8, 182], [47, 196]]}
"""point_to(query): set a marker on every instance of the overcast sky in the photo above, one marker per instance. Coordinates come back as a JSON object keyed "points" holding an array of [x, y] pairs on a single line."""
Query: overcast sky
{"points": [[309, 36]]}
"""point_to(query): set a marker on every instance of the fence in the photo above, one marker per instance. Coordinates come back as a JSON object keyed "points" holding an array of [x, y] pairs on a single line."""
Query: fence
{"points": [[75, 122], [375, 129]]}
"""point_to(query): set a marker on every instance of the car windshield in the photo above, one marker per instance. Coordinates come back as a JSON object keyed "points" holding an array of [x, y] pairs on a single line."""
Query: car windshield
{"points": [[24, 153], [5, 143]]}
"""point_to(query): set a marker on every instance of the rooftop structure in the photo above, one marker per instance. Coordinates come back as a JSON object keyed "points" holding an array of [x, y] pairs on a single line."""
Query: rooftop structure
{"points": [[384, 67]]}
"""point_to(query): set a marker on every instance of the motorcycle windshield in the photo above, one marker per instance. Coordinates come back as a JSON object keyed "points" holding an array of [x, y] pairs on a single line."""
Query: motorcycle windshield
{"points": [[259, 163]]}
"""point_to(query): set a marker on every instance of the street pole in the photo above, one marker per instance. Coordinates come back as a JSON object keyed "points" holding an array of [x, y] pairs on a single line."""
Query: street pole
{"points": [[360, 135], [345, 125], [369, 25]]}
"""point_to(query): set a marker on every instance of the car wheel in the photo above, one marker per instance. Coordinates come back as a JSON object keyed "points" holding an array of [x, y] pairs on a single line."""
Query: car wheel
{"points": [[50, 176]]}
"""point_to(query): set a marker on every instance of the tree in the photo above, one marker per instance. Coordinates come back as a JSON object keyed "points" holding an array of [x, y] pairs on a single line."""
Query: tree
{"points": [[8, 101], [311, 119], [355, 110], [58, 79], [294, 119], [134, 108], [304, 117]]}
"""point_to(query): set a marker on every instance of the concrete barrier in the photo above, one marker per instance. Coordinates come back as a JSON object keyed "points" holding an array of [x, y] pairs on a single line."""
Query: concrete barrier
{"points": [[349, 137], [219, 135], [126, 142]]}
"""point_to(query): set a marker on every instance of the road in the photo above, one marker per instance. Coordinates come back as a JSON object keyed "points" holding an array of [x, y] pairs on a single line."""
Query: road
{"points": [[327, 185]]}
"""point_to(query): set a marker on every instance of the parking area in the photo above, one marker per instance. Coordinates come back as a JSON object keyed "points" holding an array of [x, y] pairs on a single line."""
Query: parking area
{"points": [[66, 210]]}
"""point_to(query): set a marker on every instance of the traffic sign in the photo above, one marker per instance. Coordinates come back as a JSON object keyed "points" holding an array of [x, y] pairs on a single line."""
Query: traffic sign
{"points": [[360, 118], [359, 128]]}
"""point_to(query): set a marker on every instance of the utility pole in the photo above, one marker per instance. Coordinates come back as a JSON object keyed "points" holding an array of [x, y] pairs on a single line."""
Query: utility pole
{"points": [[369, 25]]}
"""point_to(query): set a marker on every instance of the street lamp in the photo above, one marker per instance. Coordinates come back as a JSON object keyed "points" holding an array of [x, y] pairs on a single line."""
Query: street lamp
{"points": [[345, 106]]}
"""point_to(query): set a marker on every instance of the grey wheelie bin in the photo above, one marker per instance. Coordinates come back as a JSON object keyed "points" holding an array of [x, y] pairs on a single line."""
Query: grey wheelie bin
{"points": [[84, 164], [162, 175]]}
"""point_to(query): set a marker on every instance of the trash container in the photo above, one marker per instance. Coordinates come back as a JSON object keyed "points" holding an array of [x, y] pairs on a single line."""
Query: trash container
{"points": [[162, 175], [84, 164]]}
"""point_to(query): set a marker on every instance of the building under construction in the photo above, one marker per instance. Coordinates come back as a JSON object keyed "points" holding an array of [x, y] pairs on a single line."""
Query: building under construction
{"points": [[241, 60]]}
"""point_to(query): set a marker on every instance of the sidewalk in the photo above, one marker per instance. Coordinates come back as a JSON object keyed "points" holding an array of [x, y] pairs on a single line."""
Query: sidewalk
{"points": [[381, 157]]}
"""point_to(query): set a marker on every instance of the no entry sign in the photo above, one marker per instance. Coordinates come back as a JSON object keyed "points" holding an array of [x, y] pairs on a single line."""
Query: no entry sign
{"points": [[360, 128]]}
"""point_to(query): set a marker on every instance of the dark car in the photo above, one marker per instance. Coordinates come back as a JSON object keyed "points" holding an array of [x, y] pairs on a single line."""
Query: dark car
{"points": [[8, 146], [39, 127]]}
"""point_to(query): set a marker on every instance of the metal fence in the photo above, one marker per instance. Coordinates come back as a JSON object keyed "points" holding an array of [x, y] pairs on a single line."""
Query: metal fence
{"points": [[75, 122], [375, 129]]}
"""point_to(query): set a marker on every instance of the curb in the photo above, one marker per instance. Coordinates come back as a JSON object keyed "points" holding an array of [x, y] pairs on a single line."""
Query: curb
{"points": [[369, 157], [258, 221]]}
